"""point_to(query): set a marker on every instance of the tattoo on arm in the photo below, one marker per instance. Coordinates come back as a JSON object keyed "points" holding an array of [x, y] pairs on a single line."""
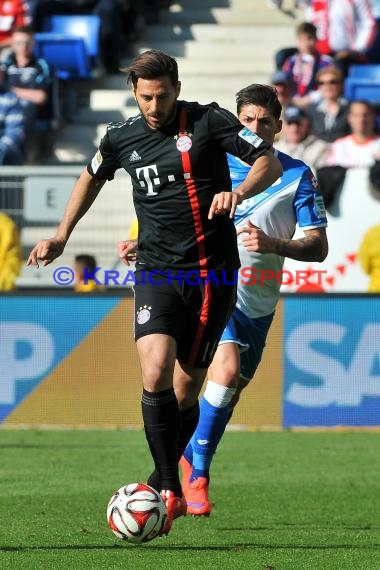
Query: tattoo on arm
{"points": [[312, 247]]}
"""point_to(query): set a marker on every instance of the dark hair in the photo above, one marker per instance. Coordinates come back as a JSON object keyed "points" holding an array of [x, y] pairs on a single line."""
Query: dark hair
{"points": [[261, 95], [307, 28], [87, 261], [369, 105], [152, 64], [23, 30]]}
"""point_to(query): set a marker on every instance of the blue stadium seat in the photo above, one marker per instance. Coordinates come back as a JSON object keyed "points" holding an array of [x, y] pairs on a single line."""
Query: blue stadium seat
{"points": [[362, 89], [66, 55], [367, 71], [83, 26], [363, 83]]}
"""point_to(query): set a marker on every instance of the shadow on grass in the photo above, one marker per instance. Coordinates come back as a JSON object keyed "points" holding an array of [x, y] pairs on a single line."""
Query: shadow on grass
{"points": [[304, 525], [56, 446], [210, 548]]}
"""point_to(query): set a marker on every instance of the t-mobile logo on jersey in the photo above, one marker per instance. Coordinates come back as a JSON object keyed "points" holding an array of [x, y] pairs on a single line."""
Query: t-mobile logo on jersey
{"points": [[148, 178], [148, 181]]}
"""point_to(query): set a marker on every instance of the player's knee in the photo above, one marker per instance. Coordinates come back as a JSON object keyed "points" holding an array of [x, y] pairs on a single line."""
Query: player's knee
{"points": [[228, 377], [158, 377]]}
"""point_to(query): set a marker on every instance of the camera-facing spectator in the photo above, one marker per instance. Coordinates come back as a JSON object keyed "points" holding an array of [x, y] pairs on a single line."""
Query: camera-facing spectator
{"points": [[284, 85], [299, 142], [305, 64], [329, 114], [27, 77], [84, 265], [359, 148], [346, 29]]}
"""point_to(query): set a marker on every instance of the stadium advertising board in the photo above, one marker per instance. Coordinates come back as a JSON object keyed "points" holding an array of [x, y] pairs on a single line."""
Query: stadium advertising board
{"points": [[331, 361], [71, 360]]}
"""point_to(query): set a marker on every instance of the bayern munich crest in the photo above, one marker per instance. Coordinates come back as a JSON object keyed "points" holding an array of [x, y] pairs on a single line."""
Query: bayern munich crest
{"points": [[143, 314], [184, 143]]}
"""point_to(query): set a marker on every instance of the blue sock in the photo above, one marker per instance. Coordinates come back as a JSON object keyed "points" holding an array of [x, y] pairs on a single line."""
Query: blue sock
{"points": [[205, 440], [188, 453]]}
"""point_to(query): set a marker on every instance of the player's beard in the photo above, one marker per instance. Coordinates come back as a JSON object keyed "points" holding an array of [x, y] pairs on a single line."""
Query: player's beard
{"points": [[161, 119]]}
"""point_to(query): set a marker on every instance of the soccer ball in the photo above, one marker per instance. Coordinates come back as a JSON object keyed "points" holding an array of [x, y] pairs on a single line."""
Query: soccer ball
{"points": [[136, 513]]}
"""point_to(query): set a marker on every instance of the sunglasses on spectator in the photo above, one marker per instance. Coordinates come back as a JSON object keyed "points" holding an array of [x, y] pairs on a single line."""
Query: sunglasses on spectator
{"points": [[329, 82]]}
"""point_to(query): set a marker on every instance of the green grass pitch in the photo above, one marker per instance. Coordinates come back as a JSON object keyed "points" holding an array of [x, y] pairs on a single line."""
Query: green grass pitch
{"points": [[282, 501]]}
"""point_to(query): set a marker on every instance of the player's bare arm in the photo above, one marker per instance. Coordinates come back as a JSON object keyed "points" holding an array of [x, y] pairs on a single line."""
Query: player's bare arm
{"points": [[312, 247], [83, 195], [265, 170]]}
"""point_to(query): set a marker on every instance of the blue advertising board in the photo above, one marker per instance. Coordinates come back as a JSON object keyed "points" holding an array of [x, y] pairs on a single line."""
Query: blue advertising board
{"points": [[36, 334], [331, 361]]}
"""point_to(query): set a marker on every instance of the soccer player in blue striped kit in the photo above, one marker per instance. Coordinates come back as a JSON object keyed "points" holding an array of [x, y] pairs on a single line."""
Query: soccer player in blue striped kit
{"points": [[265, 226]]}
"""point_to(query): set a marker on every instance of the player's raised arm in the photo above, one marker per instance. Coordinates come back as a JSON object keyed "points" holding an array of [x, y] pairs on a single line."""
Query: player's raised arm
{"points": [[82, 196], [263, 173], [265, 170]]}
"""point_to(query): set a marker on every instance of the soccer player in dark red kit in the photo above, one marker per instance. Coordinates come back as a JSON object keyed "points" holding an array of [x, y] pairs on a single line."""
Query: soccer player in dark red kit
{"points": [[175, 153]]}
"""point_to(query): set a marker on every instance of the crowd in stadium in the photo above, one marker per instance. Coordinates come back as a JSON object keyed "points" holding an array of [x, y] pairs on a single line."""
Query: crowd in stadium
{"points": [[26, 80]]}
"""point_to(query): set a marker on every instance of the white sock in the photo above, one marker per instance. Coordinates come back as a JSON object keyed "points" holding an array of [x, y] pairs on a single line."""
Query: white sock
{"points": [[217, 395]]}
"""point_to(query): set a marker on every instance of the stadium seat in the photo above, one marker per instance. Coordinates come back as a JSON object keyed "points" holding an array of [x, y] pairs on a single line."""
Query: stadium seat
{"points": [[370, 71], [362, 89], [83, 26], [66, 55]]}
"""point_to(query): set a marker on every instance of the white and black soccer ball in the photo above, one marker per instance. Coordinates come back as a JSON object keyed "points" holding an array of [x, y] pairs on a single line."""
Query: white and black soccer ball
{"points": [[136, 513]]}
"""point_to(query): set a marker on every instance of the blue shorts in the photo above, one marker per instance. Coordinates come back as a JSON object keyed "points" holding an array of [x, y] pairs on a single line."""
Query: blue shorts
{"points": [[250, 335]]}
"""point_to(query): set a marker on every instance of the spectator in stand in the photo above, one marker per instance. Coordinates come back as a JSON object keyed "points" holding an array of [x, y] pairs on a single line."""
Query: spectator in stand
{"points": [[369, 257], [10, 253], [27, 77], [359, 148], [85, 264], [328, 114], [283, 83], [299, 142], [356, 150], [12, 130], [304, 65], [13, 13], [346, 29]]}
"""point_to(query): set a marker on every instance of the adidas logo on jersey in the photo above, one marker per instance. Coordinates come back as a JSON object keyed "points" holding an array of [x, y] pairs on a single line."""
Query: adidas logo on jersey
{"points": [[134, 156]]}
